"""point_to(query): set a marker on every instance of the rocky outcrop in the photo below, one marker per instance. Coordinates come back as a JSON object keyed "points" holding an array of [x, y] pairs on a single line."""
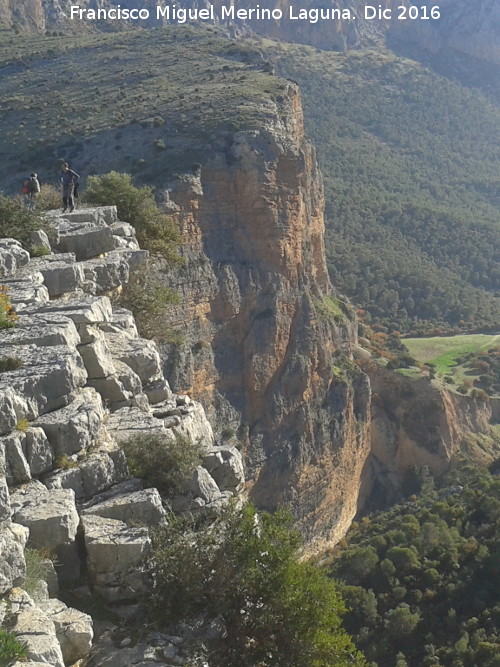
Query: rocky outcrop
{"points": [[417, 423], [267, 345], [82, 381]]}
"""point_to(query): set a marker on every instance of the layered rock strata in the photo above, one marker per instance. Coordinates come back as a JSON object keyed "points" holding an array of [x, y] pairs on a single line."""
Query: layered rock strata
{"points": [[81, 382], [267, 345]]}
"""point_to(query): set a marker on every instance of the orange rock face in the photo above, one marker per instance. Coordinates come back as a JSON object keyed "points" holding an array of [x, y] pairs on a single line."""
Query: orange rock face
{"points": [[259, 351]]}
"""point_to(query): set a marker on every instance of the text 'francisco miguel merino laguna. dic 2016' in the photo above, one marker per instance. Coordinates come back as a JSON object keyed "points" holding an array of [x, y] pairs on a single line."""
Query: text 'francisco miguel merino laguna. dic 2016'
{"points": [[180, 15]]}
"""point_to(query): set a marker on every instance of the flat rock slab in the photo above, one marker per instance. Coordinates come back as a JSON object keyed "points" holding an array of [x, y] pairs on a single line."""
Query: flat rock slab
{"points": [[23, 293], [86, 241], [139, 508], [90, 214], [46, 378], [82, 310], [41, 330], [129, 422]]}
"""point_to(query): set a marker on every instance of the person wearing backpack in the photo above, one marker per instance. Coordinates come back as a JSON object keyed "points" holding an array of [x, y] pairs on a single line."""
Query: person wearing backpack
{"points": [[31, 190], [70, 181]]}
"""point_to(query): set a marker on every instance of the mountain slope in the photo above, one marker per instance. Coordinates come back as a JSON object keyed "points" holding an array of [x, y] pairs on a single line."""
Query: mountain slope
{"points": [[457, 25], [411, 181]]}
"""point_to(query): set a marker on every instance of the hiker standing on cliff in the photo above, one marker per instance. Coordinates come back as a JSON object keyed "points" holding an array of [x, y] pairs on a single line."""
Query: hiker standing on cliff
{"points": [[70, 181], [31, 190]]}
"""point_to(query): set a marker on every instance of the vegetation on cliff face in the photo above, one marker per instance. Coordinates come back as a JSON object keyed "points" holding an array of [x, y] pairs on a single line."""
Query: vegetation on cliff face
{"points": [[421, 580], [411, 186], [273, 610], [155, 231]]}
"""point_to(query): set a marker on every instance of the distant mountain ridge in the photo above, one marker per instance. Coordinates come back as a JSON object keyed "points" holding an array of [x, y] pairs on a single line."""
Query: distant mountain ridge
{"points": [[471, 28]]}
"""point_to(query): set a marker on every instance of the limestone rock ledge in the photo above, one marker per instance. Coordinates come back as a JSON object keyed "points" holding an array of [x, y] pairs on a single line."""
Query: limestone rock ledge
{"points": [[82, 381]]}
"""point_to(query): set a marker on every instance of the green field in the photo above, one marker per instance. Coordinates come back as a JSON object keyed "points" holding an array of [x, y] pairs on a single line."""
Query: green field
{"points": [[443, 352]]}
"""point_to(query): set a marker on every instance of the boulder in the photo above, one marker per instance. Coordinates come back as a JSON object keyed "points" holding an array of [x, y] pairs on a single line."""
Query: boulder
{"points": [[195, 425], [38, 451], [17, 470], [139, 508], [123, 229], [74, 629], [108, 273], [34, 627], [67, 479], [46, 379], [140, 354], [51, 516], [202, 485], [75, 427], [97, 359], [5, 510], [225, 465], [39, 239], [157, 391], [12, 256], [116, 554], [13, 407], [103, 469]]}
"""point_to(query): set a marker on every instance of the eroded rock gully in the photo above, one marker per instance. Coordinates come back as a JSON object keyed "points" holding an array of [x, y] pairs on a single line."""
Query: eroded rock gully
{"points": [[261, 347]]}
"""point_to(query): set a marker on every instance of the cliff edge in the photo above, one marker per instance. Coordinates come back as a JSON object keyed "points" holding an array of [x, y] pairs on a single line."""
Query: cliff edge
{"points": [[267, 344]]}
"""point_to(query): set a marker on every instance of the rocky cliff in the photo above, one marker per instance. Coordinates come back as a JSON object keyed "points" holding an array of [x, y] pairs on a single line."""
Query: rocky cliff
{"points": [[470, 29], [267, 345], [419, 422], [76, 380]]}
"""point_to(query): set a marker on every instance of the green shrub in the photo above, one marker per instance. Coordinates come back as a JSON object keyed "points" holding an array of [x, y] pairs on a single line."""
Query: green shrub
{"points": [[22, 425], [64, 462], [9, 364], [244, 570], [329, 308], [149, 301], [162, 463], [36, 569], [38, 251], [49, 198], [11, 649], [16, 221], [155, 231]]}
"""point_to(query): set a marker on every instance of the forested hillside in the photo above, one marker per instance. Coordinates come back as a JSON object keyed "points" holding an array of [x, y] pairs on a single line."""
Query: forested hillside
{"points": [[411, 162], [422, 579]]}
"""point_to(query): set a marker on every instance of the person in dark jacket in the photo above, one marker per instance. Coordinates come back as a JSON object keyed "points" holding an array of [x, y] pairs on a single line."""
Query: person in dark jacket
{"points": [[70, 180]]}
